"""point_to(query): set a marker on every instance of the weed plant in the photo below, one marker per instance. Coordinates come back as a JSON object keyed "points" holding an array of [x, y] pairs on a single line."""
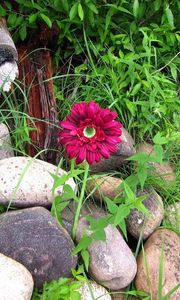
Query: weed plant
{"points": [[125, 56]]}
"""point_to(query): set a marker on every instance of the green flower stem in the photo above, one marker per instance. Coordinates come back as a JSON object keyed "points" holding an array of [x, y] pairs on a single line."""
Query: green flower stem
{"points": [[76, 218]]}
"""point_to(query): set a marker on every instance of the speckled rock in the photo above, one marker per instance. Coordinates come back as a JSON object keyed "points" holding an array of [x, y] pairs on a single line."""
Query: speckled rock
{"points": [[26, 182], [172, 217], [89, 208], [110, 259], [5, 143], [15, 280], [171, 263], [164, 171], [124, 150], [32, 237], [137, 221], [97, 290], [104, 186]]}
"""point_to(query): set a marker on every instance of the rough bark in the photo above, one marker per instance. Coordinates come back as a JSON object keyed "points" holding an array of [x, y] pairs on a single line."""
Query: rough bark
{"points": [[35, 73]]}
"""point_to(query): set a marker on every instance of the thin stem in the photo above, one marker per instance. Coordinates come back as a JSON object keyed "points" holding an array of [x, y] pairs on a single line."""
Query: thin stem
{"points": [[76, 218]]}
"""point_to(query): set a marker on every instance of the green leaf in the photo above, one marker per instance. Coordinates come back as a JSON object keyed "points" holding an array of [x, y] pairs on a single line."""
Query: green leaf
{"points": [[142, 174], [46, 20], [131, 106], [129, 193], [92, 7], [173, 71], [80, 12], [68, 192], [135, 8], [58, 181], [73, 11], [159, 153], [11, 20], [169, 16], [23, 32], [99, 223], [99, 235], [74, 295], [157, 5], [140, 157], [136, 89], [85, 257], [2, 11], [122, 226], [112, 207], [32, 18], [8, 5], [84, 242], [159, 139], [122, 212]]}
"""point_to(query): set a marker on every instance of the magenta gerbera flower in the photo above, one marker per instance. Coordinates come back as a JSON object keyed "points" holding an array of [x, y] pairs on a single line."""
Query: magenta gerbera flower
{"points": [[90, 132]]}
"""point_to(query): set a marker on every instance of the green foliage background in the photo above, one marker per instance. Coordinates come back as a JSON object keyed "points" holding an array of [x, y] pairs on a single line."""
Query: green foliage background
{"points": [[129, 53]]}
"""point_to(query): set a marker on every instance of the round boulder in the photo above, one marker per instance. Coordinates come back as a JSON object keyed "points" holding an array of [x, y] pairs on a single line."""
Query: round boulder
{"points": [[125, 149], [32, 237], [5, 142], [138, 222], [110, 259], [92, 288], [172, 217], [26, 182], [162, 246], [164, 170], [104, 186], [15, 280]]}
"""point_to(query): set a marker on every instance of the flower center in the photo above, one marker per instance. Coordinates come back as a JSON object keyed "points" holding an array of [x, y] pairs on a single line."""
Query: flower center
{"points": [[89, 132]]}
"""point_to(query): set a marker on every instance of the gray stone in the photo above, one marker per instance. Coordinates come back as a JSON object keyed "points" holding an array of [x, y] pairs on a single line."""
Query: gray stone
{"points": [[125, 149], [164, 171], [170, 242], [89, 208], [32, 237], [172, 217], [138, 222], [104, 186], [5, 142], [16, 282], [26, 182], [92, 288], [110, 259]]}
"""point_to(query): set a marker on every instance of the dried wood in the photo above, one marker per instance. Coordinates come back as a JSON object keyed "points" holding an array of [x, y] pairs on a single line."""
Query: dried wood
{"points": [[35, 73]]}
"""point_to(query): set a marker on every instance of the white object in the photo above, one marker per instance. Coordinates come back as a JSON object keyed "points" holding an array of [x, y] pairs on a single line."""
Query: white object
{"points": [[8, 73]]}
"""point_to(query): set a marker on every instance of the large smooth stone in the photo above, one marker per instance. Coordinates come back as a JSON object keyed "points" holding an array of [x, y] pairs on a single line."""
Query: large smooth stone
{"points": [[92, 288], [172, 217], [138, 222], [110, 259], [5, 142], [104, 186], [32, 237], [89, 208], [16, 282], [171, 263], [164, 170], [26, 182], [125, 149]]}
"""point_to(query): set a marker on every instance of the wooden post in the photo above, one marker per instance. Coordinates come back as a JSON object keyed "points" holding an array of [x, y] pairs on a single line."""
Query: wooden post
{"points": [[35, 74]]}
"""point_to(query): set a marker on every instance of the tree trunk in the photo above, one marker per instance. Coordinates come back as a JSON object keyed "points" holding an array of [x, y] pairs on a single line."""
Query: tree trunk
{"points": [[35, 72]]}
